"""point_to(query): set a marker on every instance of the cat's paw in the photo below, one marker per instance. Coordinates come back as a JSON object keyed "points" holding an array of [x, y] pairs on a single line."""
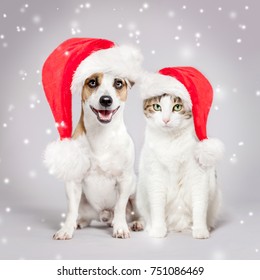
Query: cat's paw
{"points": [[137, 226], [65, 233], [200, 233], [158, 232], [121, 231]]}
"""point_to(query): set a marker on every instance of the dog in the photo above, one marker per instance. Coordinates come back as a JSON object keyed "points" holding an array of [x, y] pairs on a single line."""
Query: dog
{"points": [[107, 191]]}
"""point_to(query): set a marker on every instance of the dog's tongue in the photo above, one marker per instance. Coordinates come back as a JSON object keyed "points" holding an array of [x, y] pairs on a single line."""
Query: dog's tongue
{"points": [[105, 115]]}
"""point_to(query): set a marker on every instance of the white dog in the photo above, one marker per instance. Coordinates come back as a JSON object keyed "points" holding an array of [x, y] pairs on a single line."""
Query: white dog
{"points": [[101, 183]]}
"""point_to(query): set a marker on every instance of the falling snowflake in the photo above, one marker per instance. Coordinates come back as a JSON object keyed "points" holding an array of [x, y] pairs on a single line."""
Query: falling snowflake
{"points": [[176, 38], [4, 125], [4, 15], [242, 222], [246, 8], [6, 181], [250, 214], [32, 174], [48, 131], [40, 29], [152, 51], [179, 27], [240, 58], [242, 26], [258, 93], [63, 215], [28, 228], [233, 159], [2, 36], [120, 25], [220, 9], [7, 209], [216, 108], [26, 141], [239, 40], [240, 143], [201, 11], [36, 19]]}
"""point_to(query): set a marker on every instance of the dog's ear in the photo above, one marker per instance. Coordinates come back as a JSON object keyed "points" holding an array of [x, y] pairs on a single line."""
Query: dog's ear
{"points": [[129, 83]]}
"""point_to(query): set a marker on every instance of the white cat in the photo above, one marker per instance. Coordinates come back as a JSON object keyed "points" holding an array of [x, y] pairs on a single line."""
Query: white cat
{"points": [[177, 189]]}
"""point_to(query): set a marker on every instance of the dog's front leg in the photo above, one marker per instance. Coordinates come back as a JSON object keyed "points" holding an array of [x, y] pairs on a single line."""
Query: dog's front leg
{"points": [[73, 192], [125, 189]]}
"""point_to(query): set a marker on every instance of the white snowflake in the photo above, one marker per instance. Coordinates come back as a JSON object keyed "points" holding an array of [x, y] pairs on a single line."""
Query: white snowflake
{"points": [[4, 125], [120, 25], [7, 209], [179, 27], [257, 93], [26, 141], [201, 11], [239, 40], [250, 214], [184, 7], [131, 35], [63, 215], [241, 143], [28, 228], [176, 38], [48, 131], [242, 26], [6, 181], [40, 29], [4, 15], [216, 108], [246, 8], [152, 51], [240, 58], [145, 5], [141, 10], [242, 222], [11, 108], [233, 159], [220, 9], [137, 32], [2, 36], [197, 35]]}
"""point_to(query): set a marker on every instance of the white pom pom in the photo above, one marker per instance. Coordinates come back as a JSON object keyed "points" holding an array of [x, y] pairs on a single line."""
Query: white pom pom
{"points": [[68, 159], [209, 151]]}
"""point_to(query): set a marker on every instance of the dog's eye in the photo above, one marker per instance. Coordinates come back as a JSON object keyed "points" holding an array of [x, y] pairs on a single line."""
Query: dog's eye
{"points": [[92, 83], [118, 84]]}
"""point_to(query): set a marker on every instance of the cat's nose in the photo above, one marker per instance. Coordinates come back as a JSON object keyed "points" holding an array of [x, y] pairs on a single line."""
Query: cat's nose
{"points": [[166, 120], [106, 100]]}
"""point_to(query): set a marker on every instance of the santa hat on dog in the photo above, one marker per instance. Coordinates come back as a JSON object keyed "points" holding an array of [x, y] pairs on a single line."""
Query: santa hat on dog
{"points": [[64, 73], [197, 94]]}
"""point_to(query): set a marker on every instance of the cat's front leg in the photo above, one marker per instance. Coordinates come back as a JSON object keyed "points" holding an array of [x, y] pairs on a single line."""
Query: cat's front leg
{"points": [[200, 200], [157, 227]]}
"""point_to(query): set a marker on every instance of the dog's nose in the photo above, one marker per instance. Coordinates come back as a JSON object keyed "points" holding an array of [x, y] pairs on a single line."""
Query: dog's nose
{"points": [[106, 100]]}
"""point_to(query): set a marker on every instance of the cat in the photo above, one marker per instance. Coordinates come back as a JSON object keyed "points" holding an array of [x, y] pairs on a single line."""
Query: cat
{"points": [[174, 192]]}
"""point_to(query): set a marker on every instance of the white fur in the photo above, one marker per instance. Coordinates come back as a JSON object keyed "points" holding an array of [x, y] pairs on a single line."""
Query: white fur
{"points": [[154, 84], [68, 159], [174, 191], [123, 61], [110, 180]]}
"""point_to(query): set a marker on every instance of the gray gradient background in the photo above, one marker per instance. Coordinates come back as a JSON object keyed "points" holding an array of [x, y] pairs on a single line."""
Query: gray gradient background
{"points": [[32, 202]]}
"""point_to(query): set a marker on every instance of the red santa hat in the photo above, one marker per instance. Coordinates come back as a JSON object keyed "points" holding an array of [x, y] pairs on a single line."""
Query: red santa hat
{"points": [[64, 73], [197, 94]]}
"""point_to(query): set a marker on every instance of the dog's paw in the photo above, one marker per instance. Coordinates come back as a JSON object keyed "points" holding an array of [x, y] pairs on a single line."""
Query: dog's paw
{"points": [[121, 232], [158, 231], [64, 233], [137, 226], [200, 233]]}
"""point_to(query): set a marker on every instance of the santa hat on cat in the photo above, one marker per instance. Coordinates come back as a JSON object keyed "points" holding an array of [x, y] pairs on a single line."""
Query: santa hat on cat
{"points": [[197, 94], [64, 73]]}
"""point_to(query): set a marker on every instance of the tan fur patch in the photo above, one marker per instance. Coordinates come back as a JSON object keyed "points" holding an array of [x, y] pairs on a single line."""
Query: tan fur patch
{"points": [[148, 105], [80, 128], [122, 93], [87, 90]]}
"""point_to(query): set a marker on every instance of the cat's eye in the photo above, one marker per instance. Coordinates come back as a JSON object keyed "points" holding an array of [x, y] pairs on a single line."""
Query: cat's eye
{"points": [[92, 83], [157, 107], [177, 107], [118, 84]]}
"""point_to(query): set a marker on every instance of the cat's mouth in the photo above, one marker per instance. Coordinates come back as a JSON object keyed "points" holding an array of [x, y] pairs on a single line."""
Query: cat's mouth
{"points": [[104, 116]]}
